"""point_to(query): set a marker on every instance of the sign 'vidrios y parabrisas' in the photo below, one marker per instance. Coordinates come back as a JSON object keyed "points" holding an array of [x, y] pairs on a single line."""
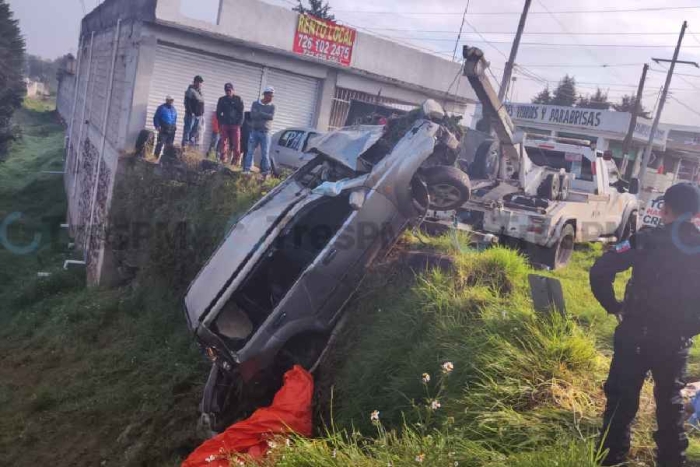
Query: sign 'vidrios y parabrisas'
{"points": [[324, 40]]}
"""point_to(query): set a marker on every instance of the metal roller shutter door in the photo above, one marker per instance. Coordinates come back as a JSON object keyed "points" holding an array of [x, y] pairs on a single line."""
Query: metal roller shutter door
{"points": [[175, 69], [295, 99]]}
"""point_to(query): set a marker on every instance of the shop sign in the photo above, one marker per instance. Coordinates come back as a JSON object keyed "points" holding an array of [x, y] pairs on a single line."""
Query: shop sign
{"points": [[324, 40]]}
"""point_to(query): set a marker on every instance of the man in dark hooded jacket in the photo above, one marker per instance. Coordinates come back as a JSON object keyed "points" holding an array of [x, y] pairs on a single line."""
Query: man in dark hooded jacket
{"points": [[659, 317]]}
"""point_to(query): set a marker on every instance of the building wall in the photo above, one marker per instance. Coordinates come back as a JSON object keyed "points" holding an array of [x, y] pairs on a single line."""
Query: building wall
{"points": [[274, 28], [92, 152], [65, 95]]}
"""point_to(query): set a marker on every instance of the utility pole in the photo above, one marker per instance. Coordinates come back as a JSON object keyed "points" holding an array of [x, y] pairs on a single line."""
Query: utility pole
{"points": [[508, 71], [635, 112], [662, 101]]}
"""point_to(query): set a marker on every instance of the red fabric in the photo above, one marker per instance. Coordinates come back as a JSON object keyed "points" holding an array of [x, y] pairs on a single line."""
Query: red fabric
{"points": [[231, 133], [290, 412], [215, 124]]}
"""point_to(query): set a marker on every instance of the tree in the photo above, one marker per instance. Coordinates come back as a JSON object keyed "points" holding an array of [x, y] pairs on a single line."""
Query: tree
{"points": [[627, 105], [316, 8], [544, 97], [599, 101], [565, 93], [12, 87]]}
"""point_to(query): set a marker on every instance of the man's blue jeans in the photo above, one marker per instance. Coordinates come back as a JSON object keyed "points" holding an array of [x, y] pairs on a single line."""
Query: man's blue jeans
{"points": [[191, 130], [256, 138]]}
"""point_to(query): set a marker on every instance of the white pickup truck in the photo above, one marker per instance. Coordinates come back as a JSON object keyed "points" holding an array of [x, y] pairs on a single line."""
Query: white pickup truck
{"points": [[541, 194], [581, 198]]}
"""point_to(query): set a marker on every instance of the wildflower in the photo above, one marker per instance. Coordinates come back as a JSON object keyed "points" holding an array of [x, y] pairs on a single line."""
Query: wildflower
{"points": [[434, 405], [374, 416], [334, 454], [271, 444], [447, 368], [455, 464], [288, 442], [389, 464], [426, 378], [420, 458], [451, 454], [239, 462], [210, 459]]}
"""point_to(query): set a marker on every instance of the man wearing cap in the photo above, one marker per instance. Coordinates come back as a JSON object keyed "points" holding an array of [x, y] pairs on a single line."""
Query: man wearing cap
{"points": [[165, 123], [229, 111], [659, 316], [194, 110], [262, 113]]}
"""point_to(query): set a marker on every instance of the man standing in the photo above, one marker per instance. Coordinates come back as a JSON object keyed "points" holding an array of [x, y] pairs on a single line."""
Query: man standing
{"points": [[262, 113], [165, 123], [229, 111], [659, 316], [194, 110]]}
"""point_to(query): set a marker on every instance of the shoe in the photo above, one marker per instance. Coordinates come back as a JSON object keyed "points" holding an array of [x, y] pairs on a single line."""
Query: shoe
{"points": [[246, 172]]}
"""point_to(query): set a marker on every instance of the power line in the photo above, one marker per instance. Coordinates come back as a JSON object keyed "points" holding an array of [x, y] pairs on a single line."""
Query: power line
{"points": [[683, 104], [547, 33], [506, 13], [553, 44], [459, 34]]}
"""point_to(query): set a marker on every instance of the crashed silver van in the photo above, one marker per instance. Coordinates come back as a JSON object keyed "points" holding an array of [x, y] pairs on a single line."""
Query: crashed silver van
{"points": [[275, 288]]}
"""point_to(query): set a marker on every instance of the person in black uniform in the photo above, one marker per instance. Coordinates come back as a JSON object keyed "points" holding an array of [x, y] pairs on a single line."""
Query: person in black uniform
{"points": [[659, 316]]}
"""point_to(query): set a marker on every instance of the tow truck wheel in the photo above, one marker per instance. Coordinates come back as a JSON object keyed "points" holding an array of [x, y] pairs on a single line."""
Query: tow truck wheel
{"points": [[550, 188], [486, 161], [564, 187], [449, 187], [559, 255]]}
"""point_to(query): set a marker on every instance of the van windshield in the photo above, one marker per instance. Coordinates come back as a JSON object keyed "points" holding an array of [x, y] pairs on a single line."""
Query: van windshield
{"points": [[574, 163]]}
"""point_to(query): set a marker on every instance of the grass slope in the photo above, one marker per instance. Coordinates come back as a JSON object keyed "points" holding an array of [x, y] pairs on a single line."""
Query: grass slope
{"points": [[92, 376], [111, 377]]}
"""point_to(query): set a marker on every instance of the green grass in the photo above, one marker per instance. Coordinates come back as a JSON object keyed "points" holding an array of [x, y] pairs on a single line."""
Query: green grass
{"points": [[93, 375]]}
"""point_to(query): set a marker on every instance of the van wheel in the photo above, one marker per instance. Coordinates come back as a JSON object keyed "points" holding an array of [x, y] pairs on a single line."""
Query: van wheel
{"points": [[550, 188], [449, 187], [559, 255]]}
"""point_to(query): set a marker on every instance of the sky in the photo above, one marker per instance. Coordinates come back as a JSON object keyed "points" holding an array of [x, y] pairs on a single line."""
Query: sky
{"points": [[600, 48]]}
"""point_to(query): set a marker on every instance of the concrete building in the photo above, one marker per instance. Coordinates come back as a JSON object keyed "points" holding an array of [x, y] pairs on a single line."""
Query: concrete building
{"points": [[36, 88], [132, 53]]}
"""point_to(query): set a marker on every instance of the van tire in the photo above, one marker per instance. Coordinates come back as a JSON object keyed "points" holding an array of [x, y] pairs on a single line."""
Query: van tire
{"points": [[558, 255], [449, 187]]}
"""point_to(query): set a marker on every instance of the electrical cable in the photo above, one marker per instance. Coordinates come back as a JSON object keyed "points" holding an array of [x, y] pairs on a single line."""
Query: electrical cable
{"points": [[546, 33], [685, 106], [508, 13], [459, 34]]}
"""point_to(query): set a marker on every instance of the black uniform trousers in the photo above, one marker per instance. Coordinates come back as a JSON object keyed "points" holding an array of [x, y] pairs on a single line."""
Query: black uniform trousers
{"points": [[166, 136], [638, 352]]}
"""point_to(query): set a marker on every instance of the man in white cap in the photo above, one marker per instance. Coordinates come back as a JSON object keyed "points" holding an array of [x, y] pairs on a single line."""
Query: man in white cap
{"points": [[262, 113], [165, 123]]}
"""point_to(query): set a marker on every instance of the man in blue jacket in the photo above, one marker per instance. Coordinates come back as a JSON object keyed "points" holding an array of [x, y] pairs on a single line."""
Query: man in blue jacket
{"points": [[165, 123]]}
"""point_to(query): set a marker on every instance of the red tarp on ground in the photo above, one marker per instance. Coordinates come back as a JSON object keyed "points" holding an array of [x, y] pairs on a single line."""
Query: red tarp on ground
{"points": [[290, 412]]}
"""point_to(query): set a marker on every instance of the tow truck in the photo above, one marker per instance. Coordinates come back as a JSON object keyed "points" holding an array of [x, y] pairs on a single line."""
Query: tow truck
{"points": [[539, 193]]}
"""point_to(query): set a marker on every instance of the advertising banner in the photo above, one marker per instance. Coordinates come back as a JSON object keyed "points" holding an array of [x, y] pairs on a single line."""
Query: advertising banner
{"points": [[324, 40]]}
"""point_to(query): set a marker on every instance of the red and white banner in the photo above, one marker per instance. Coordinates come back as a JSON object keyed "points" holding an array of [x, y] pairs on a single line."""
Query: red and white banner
{"points": [[324, 40]]}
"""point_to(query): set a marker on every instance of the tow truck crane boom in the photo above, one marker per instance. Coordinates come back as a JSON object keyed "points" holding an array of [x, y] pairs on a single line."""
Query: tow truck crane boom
{"points": [[511, 148]]}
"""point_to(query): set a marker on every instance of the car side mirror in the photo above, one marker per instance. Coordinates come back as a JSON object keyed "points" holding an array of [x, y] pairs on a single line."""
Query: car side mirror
{"points": [[634, 186]]}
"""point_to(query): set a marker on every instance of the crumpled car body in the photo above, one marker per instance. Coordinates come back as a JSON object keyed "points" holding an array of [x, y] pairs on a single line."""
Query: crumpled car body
{"points": [[288, 266]]}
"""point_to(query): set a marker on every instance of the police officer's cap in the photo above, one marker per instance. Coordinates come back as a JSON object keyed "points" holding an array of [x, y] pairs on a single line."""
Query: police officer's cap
{"points": [[683, 198]]}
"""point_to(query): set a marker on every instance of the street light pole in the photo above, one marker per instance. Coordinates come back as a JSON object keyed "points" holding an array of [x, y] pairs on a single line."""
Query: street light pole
{"points": [[662, 101], [510, 64]]}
